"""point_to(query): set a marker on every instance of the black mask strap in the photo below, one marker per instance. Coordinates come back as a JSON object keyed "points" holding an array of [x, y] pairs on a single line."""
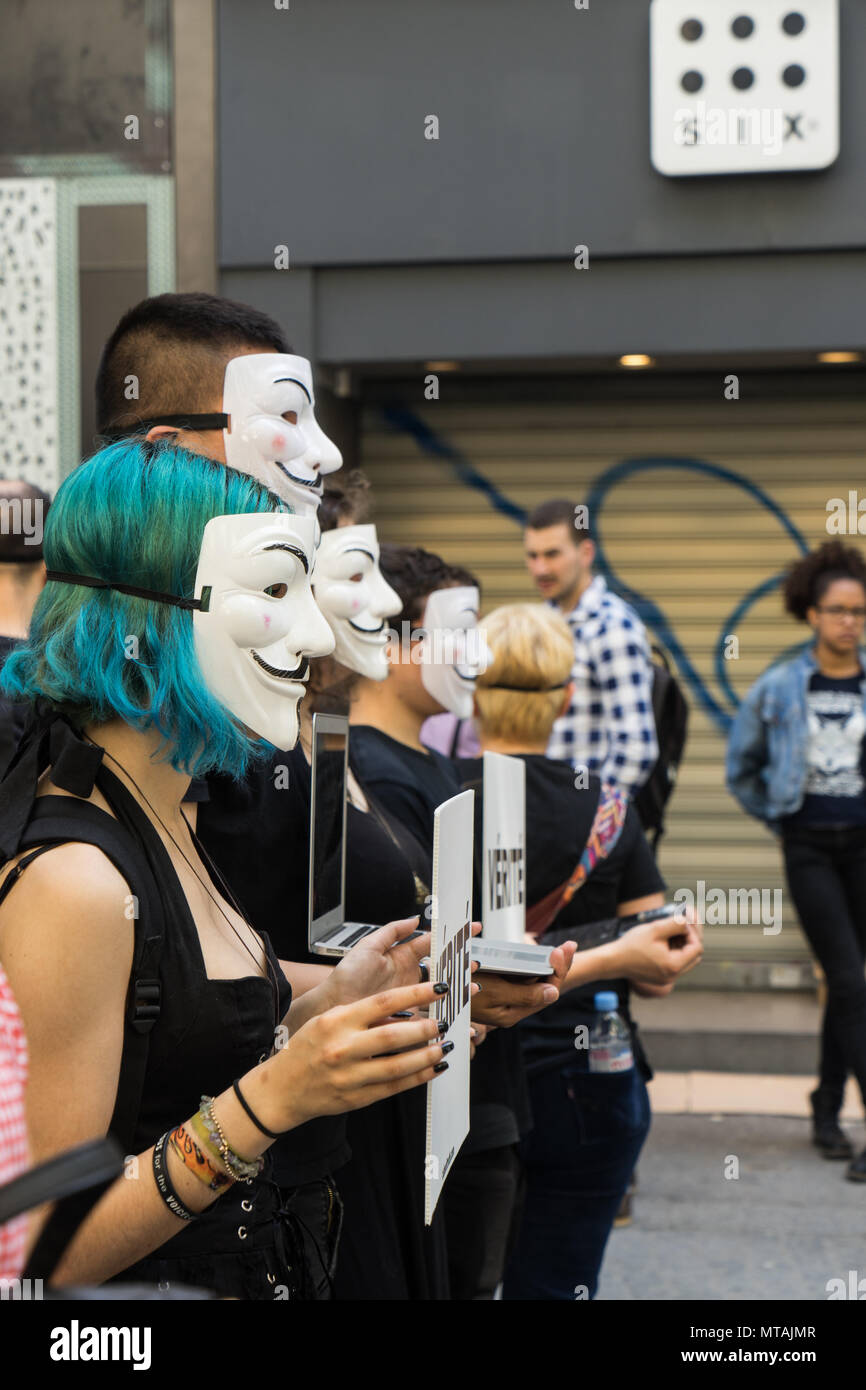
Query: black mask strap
{"points": [[528, 689], [215, 421], [201, 604]]}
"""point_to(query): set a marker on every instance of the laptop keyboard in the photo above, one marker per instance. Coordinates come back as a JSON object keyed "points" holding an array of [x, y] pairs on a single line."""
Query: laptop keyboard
{"points": [[356, 935]]}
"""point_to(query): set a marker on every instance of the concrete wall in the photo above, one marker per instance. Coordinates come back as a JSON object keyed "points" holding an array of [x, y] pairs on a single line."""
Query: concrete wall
{"points": [[403, 248]]}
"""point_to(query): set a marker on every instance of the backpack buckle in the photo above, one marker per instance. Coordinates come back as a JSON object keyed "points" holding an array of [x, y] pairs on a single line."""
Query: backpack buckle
{"points": [[146, 1001]]}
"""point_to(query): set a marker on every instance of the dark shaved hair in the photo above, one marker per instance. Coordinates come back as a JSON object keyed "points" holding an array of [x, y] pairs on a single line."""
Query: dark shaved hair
{"points": [[176, 346]]}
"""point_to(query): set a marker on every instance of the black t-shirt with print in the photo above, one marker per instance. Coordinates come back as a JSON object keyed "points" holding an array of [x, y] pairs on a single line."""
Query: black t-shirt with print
{"points": [[558, 822], [835, 791]]}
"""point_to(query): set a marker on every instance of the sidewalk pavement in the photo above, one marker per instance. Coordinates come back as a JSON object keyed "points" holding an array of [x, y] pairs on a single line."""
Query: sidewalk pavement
{"points": [[780, 1226], [741, 1093]]}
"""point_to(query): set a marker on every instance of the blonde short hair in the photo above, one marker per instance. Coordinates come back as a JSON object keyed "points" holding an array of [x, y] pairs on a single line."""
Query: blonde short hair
{"points": [[532, 648]]}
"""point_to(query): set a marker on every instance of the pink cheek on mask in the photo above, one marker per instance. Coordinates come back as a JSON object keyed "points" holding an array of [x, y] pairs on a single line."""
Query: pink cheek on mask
{"points": [[355, 605], [278, 441], [267, 620]]}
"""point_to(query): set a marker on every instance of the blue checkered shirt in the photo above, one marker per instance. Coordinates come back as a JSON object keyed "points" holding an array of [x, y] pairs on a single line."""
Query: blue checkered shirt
{"points": [[609, 727]]}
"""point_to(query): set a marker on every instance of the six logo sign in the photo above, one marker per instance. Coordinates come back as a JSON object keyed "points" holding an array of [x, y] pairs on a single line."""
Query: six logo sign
{"points": [[708, 68]]}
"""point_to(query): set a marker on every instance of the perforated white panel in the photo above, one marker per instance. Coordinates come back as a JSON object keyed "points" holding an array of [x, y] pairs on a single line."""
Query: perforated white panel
{"points": [[28, 331]]}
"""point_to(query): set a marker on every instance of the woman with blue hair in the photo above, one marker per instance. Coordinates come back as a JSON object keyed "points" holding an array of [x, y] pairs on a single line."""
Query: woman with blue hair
{"points": [[172, 639]]}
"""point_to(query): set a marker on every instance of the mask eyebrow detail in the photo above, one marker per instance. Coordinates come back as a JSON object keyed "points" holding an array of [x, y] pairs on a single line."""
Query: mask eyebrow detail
{"points": [[358, 550], [278, 381], [292, 549]]}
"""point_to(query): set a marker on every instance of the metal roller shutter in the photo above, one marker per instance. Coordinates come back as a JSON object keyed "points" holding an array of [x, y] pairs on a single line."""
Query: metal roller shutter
{"points": [[698, 506]]}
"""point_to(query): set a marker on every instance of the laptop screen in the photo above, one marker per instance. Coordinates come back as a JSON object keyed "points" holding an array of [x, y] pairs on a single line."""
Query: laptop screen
{"points": [[328, 823]]}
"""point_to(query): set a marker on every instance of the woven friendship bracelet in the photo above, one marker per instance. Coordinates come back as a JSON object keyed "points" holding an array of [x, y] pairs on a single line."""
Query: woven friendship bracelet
{"points": [[208, 1141], [192, 1158]]}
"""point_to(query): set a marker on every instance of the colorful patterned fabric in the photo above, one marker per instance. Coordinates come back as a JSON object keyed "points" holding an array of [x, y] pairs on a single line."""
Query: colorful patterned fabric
{"points": [[606, 829], [604, 832], [14, 1154]]}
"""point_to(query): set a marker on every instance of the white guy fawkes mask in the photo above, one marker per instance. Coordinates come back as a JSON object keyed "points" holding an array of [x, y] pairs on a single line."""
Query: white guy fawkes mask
{"points": [[356, 609], [260, 622], [291, 459], [454, 650]]}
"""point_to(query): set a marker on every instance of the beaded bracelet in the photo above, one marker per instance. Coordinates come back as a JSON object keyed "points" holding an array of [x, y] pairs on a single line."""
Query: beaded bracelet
{"points": [[207, 1139], [192, 1158], [164, 1184], [239, 1167]]}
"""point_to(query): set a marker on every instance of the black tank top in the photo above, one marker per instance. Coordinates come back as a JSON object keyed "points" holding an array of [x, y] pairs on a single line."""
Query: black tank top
{"points": [[208, 1032]]}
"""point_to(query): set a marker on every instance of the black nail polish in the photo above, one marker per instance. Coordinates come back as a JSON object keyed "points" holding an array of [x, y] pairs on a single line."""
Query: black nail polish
{"points": [[443, 1026], [441, 1066], [403, 1013], [440, 989], [447, 1047]]}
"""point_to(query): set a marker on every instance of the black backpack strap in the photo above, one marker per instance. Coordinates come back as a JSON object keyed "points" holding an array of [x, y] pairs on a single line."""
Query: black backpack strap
{"points": [[74, 1181], [59, 820], [11, 879]]}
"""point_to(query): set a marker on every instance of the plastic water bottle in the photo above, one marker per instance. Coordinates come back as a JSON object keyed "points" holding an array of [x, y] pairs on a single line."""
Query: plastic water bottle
{"points": [[610, 1038]]}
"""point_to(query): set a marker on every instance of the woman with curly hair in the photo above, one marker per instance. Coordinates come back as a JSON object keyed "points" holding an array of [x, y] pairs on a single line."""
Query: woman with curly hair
{"points": [[797, 761]]}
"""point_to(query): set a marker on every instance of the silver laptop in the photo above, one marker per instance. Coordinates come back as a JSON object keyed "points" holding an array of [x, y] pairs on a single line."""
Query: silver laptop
{"points": [[329, 934]]}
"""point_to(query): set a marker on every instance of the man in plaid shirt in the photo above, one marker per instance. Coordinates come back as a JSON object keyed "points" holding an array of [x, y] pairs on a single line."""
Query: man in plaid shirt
{"points": [[608, 727]]}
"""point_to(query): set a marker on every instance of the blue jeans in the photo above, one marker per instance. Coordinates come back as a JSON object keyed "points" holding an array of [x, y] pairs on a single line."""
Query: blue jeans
{"points": [[589, 1130]]}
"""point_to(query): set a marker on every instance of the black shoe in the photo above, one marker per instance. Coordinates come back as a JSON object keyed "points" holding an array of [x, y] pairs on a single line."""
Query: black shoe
{"points": [[826, 1133], [856, 1171]]}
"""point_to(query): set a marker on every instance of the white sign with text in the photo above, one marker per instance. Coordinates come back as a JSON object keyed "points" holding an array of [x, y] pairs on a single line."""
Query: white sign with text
{"points": [[450, 964], [503, 908]]}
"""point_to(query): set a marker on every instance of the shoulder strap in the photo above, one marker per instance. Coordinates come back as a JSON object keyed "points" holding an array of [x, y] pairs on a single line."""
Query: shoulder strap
{"points": [[57, 820], [604, 833]]}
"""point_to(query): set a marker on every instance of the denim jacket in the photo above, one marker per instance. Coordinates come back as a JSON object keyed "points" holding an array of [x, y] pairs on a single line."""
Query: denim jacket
{"points": [[766, 766]]}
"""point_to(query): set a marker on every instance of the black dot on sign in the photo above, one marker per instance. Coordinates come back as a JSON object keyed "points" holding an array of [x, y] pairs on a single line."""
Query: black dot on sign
{"points": [[743, 26], [794, 75], [692, 29], [691, 81], [794, 23], [742, 78]]}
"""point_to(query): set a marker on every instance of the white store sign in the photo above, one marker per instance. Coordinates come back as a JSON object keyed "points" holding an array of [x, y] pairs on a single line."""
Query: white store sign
{"points": [[743, 86]]}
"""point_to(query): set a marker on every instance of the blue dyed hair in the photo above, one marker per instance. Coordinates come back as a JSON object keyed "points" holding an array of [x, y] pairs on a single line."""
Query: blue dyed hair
{"points": [[135, 514]]}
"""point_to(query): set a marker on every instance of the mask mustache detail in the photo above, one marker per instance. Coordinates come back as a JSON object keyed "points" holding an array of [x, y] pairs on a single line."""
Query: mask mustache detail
{"points": [[367, 631], [298, 673], [314, 484]]}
